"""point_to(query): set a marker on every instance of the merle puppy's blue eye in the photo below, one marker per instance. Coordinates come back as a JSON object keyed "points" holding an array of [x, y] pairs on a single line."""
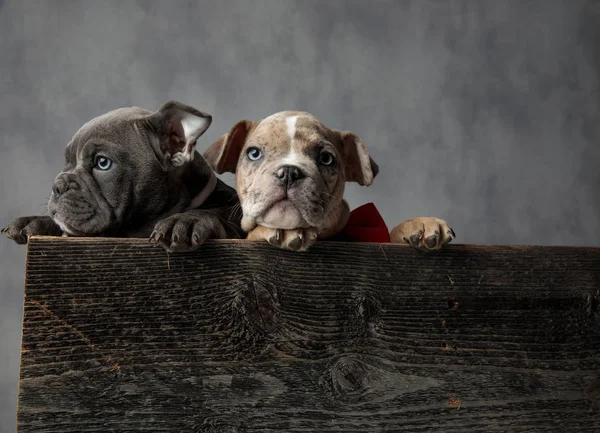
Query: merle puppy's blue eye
{"points": [[103, 163], [254, 154]]}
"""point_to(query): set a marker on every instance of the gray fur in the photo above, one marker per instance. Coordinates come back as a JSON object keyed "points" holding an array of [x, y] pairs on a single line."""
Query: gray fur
{"points": [[144, 192]]}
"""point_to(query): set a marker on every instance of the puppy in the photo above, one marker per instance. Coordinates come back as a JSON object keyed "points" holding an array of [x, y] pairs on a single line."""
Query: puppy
{"points": [[290, 176], [135, 173]]}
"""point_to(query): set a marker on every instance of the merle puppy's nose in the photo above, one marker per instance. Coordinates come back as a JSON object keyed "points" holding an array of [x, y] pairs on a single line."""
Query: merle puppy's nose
{"points": [[288, 174], [58, 188]]}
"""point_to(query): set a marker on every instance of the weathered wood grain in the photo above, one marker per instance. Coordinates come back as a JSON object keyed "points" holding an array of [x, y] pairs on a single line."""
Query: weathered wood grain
{"points": [[119, 336]]}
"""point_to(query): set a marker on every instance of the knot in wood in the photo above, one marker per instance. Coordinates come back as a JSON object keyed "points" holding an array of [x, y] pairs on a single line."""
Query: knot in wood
{"points": [[251, 317], [351, 376], [365, 314], [263, 308], [357, 378], [255, 305], [368, 307]]}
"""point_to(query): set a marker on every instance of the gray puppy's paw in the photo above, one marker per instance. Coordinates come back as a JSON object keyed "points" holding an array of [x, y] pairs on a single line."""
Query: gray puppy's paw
{"points": [[184, 232], [23, 227]]}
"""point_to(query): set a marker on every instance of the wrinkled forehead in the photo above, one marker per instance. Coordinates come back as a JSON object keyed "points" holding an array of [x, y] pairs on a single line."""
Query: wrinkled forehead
{"points": [[114, 126], [287, 128]]}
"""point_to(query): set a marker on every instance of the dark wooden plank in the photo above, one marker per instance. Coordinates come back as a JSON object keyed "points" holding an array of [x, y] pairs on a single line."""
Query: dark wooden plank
{"points": [[120, 336]]}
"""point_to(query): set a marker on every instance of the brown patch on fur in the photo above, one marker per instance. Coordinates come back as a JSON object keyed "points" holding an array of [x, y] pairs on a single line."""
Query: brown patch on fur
{"points": [[310, 199]]}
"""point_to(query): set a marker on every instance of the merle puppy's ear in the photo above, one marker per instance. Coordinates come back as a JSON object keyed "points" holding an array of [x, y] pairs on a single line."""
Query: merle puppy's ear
{"points": [[359, 166], [223, 154], [175, 127]]}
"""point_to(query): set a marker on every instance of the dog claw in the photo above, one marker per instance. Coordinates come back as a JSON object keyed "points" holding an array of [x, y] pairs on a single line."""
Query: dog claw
{"points": [[452, 232], [414, 239], [4, 230], [432, 240], [295, 244], [195, 238]]}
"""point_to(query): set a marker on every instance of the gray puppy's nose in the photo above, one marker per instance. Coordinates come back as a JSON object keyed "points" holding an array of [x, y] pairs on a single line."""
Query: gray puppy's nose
{"points": [[288, 174]]}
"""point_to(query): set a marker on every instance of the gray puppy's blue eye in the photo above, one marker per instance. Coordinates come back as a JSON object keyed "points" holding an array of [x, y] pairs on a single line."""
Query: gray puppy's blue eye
{"points": [[254, 154], [103, 163]]}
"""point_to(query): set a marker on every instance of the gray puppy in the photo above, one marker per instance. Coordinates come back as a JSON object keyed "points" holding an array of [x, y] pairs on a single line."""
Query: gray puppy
{"points": [[135, 173]]}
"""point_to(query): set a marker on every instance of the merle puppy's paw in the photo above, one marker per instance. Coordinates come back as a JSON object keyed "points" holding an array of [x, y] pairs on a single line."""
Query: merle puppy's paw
{"points": [[184, 232], [423, 233], [294, 239], [23, 227]]}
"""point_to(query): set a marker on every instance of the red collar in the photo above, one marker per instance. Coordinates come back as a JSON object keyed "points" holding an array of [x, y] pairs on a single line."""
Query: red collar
{"points": [[364, 225]]}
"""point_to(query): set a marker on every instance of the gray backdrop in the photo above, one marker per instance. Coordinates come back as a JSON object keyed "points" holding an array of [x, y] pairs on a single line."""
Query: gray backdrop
{"points": [[485, 113]]}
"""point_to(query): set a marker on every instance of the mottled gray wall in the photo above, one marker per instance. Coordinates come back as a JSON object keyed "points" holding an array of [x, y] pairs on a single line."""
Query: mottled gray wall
{"points": [[483, 112]]}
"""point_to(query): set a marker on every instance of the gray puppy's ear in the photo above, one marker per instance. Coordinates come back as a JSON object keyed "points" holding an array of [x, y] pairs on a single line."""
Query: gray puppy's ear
{"points": [[174, 129], [223, 154], [359, 166]]}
